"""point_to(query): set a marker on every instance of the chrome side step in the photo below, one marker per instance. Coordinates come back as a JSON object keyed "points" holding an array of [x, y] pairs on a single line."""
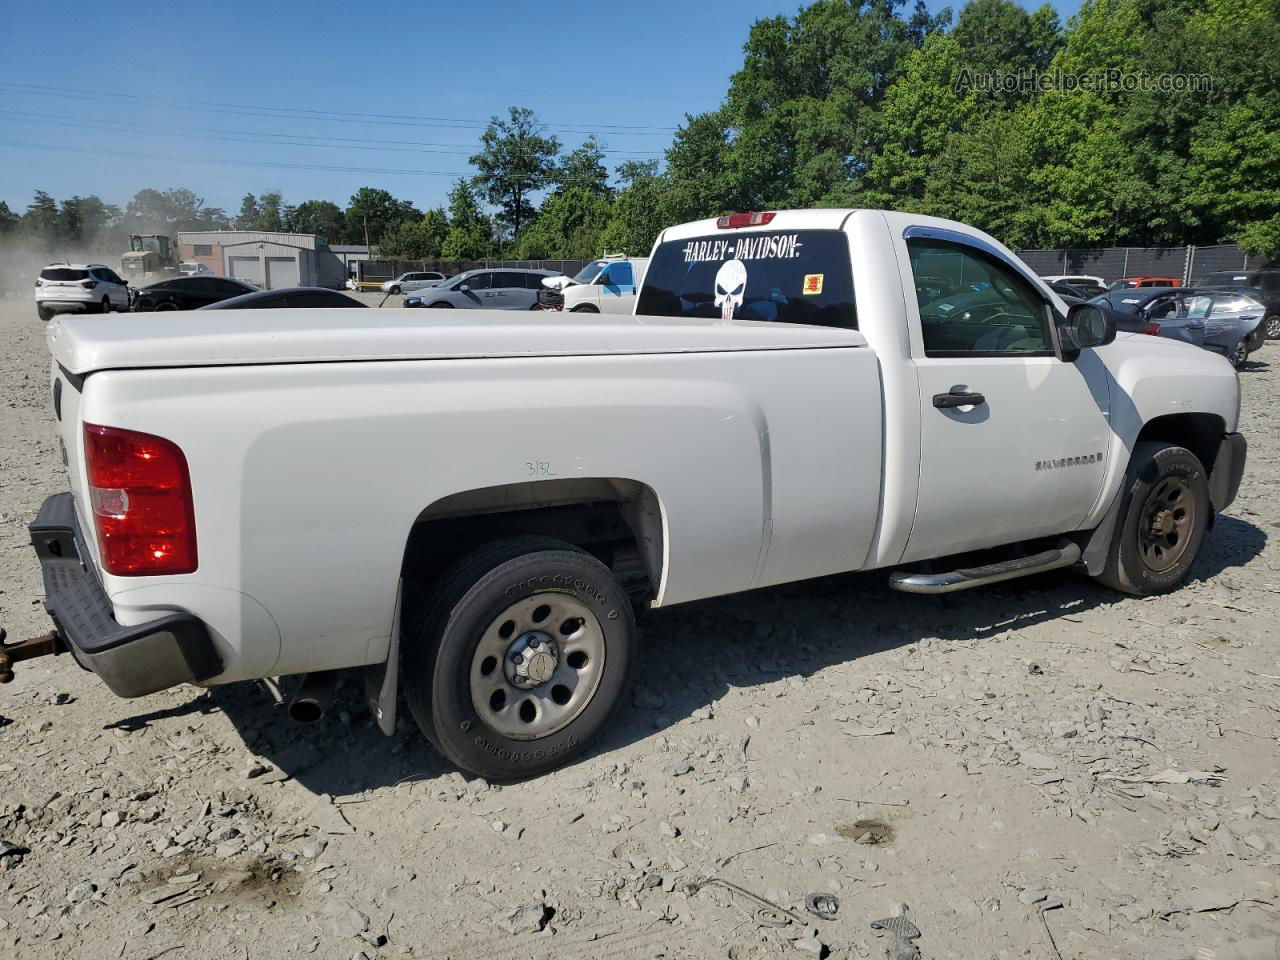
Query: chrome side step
{"points": [[1063, 555]]}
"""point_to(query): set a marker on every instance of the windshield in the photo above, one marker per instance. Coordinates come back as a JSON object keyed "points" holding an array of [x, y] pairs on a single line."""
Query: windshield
{"points": [[1226, 280], [589, 272], [789, 277]]}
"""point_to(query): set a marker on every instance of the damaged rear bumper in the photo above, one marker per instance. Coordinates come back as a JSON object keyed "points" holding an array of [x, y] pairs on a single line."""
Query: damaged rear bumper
{"points": [[134, 660]]}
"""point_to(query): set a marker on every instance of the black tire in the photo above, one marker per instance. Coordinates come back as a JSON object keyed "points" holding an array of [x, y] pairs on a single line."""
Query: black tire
{"points": [[1143, 561], [442, 637], [106, 305], [166, 305], [44, 313], [441, 305], [394, 291], [585, 308], [1271, 326], [1239, 355]]}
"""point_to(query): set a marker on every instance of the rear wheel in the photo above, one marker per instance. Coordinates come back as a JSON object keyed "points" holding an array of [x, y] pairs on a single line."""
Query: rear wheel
{"points": [[106, 305], [1272, 326], [1162, 522], [518, 658], [44, 313]]}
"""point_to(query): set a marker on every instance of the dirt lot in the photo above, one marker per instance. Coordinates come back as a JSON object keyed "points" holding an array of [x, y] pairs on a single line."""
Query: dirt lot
{"points": [[1038, 763]]}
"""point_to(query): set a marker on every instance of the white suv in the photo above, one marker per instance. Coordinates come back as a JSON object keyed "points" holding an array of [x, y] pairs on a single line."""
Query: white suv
{"points": [[413, 281], [89, 287]]}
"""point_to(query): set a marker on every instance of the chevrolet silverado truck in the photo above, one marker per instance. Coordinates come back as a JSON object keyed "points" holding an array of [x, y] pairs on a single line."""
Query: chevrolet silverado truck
{"points": [[469, 510]]}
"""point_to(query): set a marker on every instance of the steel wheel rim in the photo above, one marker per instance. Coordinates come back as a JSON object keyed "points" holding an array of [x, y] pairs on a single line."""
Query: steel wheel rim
{"points": [[543, 621], [1273, 328], [1168, 518]]}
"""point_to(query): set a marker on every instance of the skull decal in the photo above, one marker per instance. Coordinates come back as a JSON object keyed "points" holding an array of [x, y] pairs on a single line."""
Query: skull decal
{"points": [[731, 286]]}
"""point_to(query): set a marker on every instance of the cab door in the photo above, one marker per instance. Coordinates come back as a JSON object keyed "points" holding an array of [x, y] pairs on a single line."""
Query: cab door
{"points": [[1013, 439], [617, 288]]}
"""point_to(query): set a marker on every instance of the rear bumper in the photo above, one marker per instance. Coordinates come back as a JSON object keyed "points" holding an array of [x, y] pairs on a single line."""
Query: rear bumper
{"points": [[1228, 470], [132, 661]]}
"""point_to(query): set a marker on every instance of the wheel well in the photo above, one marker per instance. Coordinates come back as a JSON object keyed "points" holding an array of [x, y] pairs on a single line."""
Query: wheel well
{"points": [[1201, 433], [618, 521]]}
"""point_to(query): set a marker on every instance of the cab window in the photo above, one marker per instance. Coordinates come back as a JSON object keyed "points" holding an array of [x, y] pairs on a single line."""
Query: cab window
{"points": [[617, 275], [971, 304]]}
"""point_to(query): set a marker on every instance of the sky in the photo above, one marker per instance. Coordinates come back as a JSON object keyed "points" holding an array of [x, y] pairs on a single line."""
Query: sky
{"points": [[317, 98]]}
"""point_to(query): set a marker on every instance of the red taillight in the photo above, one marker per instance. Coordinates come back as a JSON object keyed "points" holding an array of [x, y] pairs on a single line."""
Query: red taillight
{"points": [[734, 220], [88, 284], [140, 494], [1152, 329]]}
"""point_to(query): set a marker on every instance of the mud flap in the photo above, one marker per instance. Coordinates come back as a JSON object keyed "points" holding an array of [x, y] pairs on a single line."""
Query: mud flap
{"points": [[381, 680]]}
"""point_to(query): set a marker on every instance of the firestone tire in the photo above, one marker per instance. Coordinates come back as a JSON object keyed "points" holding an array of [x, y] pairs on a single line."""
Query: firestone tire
{"points": [[1163, 518], [444, 656]]}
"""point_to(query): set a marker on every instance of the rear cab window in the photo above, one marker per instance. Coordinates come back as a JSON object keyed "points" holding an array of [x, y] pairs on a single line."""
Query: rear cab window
{"points": [[785, 276]]}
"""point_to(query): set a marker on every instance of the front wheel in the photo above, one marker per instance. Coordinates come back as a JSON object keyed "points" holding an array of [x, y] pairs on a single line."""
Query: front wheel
{"points": [[1271, 326], [586, 308], [518, 659], [1239, 354], [441, 305], [394, 291], [1162, 522]]}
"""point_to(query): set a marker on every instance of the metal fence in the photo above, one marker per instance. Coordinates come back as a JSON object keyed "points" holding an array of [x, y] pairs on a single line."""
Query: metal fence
{"points": [[376, 271], [1111, 263]]}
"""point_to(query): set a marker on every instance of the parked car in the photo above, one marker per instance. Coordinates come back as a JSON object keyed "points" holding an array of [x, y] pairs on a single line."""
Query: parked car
{"points": [[1261, 285], [468, 507], [1069, 293], [408, 282], [603, 286], [289, 297], [488, 289], [190, 269], [1129, 283], [1223, 321], [188, 293], [79, 287], [1088, 285]]}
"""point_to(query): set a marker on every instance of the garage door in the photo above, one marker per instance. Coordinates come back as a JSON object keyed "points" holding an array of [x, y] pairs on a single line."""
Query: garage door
{"points": [[281, 272], [245, 268]]}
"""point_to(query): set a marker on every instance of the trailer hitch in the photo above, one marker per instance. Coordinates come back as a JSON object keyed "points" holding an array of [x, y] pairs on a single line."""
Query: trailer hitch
{"points": [[45, 645]]}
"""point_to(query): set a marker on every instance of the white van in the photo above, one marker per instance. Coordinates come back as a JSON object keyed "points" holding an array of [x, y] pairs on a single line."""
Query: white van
{"points": [[607, 285]]}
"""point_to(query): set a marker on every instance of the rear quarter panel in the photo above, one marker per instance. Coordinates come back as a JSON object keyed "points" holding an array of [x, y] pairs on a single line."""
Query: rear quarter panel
{"points": [[308, 477]]}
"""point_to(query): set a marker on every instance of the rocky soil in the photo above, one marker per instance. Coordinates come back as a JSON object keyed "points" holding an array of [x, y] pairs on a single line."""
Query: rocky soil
{"points": [[1041, 769]]}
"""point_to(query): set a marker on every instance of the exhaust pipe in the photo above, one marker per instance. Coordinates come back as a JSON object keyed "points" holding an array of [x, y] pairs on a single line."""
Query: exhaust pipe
{"points": [[313, 696]]}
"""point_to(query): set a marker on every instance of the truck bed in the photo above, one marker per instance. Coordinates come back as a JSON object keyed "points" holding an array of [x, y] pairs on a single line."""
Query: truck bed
{"points": [[225, 338]]}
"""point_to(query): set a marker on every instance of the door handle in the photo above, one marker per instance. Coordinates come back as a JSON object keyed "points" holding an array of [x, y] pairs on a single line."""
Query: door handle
{"points": [[956, 398]]}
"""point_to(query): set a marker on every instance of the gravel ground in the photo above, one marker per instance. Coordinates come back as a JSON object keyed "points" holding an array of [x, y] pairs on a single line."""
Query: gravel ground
{"points": [[1038, 769]]}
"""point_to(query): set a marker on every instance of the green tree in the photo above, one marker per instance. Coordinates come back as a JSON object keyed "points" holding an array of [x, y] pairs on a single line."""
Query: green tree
{"points": [[247, 218], [374, 211], [514, 161], [42, 217], [8, 219], [84, 219], [470, 235], [584, 168], [637, 216], [421, 239], [324, 218], [571, 225], [168, 211]]}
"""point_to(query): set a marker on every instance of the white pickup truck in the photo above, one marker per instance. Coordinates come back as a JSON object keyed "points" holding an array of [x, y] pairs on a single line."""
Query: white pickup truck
{"points": [[471, 508]]}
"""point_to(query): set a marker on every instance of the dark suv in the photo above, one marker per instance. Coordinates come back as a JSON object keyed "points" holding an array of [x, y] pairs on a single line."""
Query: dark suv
{"points": [[1262, 285]]}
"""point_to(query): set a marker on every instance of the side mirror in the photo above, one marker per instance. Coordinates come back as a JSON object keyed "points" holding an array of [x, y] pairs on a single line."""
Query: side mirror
{"points": [[464, 288], [1087, 325]]}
